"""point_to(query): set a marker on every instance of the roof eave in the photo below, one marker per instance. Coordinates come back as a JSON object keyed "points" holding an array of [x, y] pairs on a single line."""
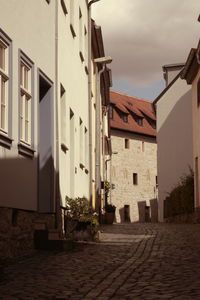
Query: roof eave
{"points": [[165, 90], [135, 132], [191, 67]]}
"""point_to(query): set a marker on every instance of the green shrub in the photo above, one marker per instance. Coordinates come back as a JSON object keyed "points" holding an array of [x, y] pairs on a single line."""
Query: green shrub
{"points": [[181, 198], [79, 211]]}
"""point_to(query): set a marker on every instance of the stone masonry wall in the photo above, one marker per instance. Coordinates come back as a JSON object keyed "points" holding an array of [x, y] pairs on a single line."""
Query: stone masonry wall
{"points": [[140, 158], [17, 231]]}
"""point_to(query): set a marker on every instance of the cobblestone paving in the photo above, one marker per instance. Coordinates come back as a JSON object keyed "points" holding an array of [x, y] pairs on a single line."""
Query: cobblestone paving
{"points": [[133, 261]]}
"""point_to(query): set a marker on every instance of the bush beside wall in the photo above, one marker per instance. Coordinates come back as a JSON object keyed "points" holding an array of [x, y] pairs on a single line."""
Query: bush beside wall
{"points": [[181, 199]]}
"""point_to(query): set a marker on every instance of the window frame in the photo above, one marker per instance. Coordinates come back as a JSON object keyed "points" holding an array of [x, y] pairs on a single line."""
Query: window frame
{"points": [[26, 103], [6, 77], [124, 117]]}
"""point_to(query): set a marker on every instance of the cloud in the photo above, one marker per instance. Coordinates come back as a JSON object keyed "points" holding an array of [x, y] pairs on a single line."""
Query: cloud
{"points": [[143, 35]]}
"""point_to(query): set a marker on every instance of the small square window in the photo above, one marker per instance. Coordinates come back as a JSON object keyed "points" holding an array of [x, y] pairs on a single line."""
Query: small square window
{"points": [[127, 144], [135, 178], [142, 146]]}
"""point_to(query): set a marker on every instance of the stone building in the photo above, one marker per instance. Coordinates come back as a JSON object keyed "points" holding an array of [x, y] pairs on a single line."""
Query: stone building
{"points": [[134, 167]]}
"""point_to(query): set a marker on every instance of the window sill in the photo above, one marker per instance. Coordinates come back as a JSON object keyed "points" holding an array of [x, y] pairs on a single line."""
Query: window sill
{"points": [[72, 31], [5, 141], [25, 150]]}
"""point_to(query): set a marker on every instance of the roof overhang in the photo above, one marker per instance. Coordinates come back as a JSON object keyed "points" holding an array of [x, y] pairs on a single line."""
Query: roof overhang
{"points": [[191, 67]]}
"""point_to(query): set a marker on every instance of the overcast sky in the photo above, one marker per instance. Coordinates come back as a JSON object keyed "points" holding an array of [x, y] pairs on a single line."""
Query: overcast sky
{"points": [[142, 36]]}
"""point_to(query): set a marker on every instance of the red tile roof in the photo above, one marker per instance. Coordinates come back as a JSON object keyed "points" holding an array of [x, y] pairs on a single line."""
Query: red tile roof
{"points": [[137, 109]]}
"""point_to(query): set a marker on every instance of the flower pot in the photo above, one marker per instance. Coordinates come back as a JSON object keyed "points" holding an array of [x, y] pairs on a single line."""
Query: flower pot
{"points": [[110, 216]]}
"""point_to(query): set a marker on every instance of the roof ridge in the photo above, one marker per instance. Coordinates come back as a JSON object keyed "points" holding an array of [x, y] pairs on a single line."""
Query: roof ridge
{"points": [[134, 97]]}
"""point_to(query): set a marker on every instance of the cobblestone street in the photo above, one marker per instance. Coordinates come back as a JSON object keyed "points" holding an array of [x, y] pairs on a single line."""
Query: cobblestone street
{"points": [[133, 261]]}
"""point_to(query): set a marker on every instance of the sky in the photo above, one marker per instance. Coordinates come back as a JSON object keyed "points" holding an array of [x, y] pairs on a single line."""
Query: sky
{"points": [[143, 35]]}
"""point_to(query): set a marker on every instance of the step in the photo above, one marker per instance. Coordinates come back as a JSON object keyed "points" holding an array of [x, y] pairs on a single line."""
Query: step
{"points": [[40, 225]]}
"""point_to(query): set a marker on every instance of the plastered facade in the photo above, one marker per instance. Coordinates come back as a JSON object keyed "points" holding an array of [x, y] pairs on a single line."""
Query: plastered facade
{"points": [[140, 158], [174, 137], [196, 141]]}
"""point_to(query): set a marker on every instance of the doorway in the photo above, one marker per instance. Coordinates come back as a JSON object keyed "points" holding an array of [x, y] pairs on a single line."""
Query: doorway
{"points": [[45, 170]]}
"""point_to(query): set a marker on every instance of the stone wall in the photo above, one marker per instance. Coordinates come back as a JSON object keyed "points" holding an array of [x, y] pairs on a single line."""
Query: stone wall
{"points": [[140, 158], [17, 230]]}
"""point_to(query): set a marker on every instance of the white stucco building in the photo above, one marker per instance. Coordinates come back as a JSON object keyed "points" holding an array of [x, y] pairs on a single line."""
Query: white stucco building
{"points": [[46, 86], [191, 74], [134, 159], [174, 133]]}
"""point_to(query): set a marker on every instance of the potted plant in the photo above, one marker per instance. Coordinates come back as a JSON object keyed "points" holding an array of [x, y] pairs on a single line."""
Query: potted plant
{"points": [[80, 222], [110, 213]]}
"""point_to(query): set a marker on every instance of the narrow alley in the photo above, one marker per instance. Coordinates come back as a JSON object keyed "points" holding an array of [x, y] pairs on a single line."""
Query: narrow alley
{"points": [[132, 261]]}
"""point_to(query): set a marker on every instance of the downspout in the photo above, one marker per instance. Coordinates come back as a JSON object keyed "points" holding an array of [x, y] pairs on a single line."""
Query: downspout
{"points": [[98, 140], [90, 98], [57, 192]]}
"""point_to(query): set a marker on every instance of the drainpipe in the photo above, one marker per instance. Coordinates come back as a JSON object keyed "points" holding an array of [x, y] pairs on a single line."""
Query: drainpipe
{"points": [[90, 98], [56, 176], [98, 137]]}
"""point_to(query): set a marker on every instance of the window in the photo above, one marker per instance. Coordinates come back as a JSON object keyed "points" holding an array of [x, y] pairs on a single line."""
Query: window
{"points": [[4, 88], [110, 112], [135, 178], [140, 121], [124, 117], [127, 144], [142, 146], [25, 101]]}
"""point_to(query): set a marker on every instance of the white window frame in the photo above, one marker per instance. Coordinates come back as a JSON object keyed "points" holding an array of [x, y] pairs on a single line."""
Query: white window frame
{"points": [[25, 100], [4, 86]]}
